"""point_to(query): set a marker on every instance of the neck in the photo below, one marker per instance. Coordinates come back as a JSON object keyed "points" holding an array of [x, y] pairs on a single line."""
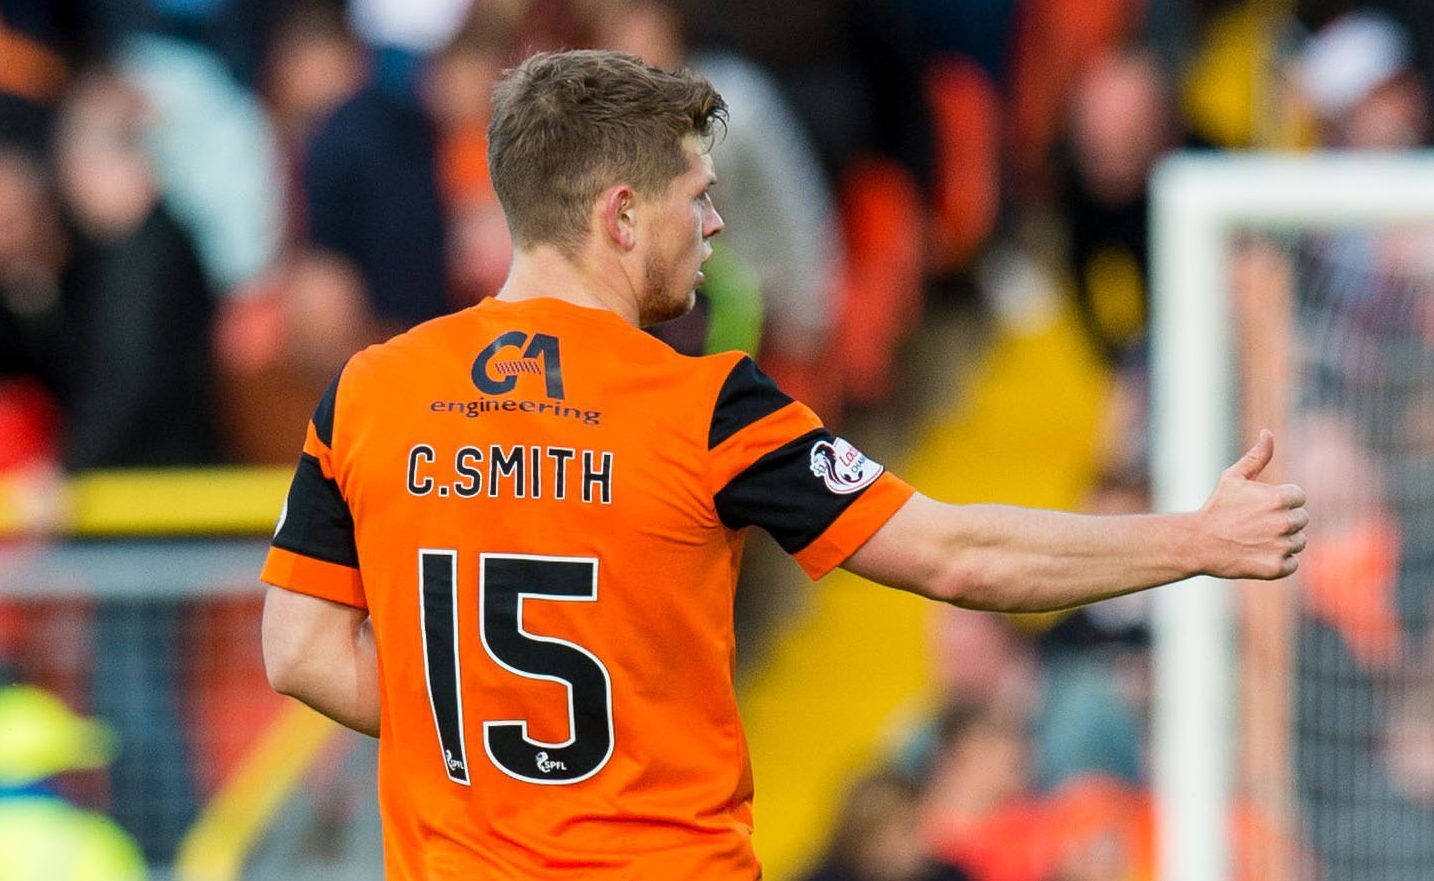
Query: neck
{"points": [[546, 272]]}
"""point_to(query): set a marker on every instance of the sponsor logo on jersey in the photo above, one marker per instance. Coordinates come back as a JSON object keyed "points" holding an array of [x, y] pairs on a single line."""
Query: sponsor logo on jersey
{"points": [[496, 370], [452, 763], [842, 467], [513, 360]]}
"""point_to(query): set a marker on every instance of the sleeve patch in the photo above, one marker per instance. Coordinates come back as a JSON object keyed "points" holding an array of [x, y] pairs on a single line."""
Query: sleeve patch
{"points": [[842, 467], [316, 521], [798, 490], [855, 526], [747, 395]]}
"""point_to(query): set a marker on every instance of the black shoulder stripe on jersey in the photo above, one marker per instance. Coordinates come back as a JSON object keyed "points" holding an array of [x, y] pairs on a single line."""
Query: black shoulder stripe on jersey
{"points": [[324, 413], [317, 522], [747, 395], [779, 493]]}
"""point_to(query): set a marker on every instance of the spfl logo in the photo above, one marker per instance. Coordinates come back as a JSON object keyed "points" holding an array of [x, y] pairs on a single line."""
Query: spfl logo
{"points": [[496, 372], [842, 466], [547, 765]]}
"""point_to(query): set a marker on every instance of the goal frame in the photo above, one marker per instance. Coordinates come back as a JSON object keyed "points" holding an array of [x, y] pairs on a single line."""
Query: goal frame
{"points": [[1198, 200]]}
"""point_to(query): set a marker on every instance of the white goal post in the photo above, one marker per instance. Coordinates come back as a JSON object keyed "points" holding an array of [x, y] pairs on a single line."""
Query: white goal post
{"points": [[1198, 201]]}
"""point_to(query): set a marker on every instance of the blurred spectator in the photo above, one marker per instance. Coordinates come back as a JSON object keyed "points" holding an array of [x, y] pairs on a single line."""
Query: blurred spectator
{"points": [[457, 91], [964, 201], [214, 155], [1349, 584], [873, 838], [370, 178], [979, 812], [1119, 126], [1100, 829], [42, 836], [1408, 744], [402, 35], [283, 348], [1232, 88], [1054, 42], [137, 307], [1356, 75], [31, 253], [138, 392], [979, 657], [314, 65], [419, 28], [1416, 15]]}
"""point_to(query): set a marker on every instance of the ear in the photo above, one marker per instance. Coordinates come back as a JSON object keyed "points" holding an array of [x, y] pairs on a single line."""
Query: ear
{"points": [[617, 210]]}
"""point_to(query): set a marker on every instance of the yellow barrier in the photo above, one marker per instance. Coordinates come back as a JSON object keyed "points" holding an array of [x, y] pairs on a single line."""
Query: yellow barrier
{"points": [[152, 502]]}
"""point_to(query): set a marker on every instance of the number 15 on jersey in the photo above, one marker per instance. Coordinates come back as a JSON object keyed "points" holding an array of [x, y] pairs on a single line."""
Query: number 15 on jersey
{"points": [[505, 582]]}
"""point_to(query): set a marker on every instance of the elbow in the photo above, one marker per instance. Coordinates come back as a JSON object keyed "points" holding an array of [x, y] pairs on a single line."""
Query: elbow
{"points": [[283, 676], [957, 582], [285, 667], [979, 582]]}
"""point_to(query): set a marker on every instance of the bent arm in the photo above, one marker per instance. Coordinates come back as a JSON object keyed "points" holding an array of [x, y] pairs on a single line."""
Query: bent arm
{"points": [[1009, 559], [322, 653]]}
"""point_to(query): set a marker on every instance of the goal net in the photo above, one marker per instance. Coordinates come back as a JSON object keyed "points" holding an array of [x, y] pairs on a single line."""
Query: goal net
{"points": [[1294, 724]]}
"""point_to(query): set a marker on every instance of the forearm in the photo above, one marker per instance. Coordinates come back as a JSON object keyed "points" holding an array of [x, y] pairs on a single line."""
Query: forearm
{"points": [[1011, 559], [326, 660], [1008, 559]]}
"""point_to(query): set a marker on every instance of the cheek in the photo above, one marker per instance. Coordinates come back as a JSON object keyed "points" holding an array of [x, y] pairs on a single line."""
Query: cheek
{"points": [[699, 217]]}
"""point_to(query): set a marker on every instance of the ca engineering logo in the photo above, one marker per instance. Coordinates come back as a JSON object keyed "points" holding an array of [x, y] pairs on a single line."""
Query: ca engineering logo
{"points": [[540, 357], [842, 467], [513, 361]]}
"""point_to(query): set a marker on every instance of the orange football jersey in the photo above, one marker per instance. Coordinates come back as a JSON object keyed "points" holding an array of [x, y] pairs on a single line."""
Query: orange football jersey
{"points": [[543, 508]]}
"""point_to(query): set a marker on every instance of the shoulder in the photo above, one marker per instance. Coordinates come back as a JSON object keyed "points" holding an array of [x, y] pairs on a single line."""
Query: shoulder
{"points": [[741, 395], [425, 339], [387, 364]]}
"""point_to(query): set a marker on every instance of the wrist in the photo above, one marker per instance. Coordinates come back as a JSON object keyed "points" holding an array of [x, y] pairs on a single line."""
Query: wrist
{"points": [[1192, 544]]}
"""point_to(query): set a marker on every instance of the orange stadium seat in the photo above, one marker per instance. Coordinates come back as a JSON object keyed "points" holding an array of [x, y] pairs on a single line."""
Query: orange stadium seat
{"points": [[882, 220], [966, 114]]}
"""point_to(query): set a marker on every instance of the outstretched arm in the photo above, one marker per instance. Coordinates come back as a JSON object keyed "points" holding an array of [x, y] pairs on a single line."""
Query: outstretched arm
{"points": [[322, 653], [1010, 559]]}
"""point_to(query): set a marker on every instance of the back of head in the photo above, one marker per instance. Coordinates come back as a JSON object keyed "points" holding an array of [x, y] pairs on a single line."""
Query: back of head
{"points": [[568, 125]]}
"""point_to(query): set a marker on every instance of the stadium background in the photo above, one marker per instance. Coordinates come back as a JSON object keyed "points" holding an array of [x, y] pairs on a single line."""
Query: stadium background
{"points": [[937, 235]]}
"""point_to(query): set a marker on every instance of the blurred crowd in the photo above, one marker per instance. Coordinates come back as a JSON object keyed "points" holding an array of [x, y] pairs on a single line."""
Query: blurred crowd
{"points": [[207, 205]]}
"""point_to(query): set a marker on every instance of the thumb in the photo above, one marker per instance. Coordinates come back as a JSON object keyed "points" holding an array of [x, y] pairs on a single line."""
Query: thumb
{"points": [[1257, 457]]}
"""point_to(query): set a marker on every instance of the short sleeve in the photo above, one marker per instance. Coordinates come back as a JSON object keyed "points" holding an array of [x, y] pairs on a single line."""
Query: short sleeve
{"points": [[313, 550], [775, 466]]}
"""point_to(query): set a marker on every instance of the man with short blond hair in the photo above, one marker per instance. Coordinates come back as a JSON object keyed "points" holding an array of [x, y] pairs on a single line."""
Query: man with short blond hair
{"points": [[511, 544]]}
